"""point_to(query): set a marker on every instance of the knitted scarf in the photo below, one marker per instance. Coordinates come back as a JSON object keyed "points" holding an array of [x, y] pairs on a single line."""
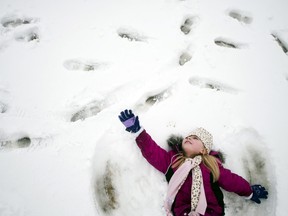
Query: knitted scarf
{"points": [[198, 198]]}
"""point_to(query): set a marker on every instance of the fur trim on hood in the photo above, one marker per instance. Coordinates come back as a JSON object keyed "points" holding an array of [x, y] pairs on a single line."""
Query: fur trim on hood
{"points": [[175, 143]]}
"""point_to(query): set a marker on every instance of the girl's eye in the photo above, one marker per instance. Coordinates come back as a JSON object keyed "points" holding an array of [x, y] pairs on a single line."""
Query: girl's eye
{"points": [[193, 137]]}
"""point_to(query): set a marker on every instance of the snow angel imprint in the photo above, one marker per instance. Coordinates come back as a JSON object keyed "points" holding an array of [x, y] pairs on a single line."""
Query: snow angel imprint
{"points": [[193, 170]]}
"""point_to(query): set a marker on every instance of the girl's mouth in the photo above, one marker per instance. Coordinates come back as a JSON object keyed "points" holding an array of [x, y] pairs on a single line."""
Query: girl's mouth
{"points": [[187, 142]]}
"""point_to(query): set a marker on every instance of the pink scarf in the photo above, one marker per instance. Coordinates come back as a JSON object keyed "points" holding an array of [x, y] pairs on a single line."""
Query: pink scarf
{"points": [[198, 198]]}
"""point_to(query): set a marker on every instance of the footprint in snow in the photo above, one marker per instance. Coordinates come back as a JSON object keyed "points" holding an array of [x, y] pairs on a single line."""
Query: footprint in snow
{"points": [[210, 84], [227, 43], [23, 28], [82, 65], [22, 142], [241, 16], [27, 35], [89, 110], [152, 98], [184, 58], [92, 107], [187, 25], [13, 21], [131, 35]]}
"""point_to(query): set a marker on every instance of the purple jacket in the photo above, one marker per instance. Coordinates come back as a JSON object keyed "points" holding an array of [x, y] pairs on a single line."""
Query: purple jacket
{"points": [[161, 160]]}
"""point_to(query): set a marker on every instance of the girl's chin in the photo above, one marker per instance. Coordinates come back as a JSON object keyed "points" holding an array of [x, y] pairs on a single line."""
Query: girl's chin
{"points": [[186, 144]]}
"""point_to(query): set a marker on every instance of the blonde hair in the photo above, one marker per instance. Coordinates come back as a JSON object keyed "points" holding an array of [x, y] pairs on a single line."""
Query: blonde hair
{"points": [[209, 161]]}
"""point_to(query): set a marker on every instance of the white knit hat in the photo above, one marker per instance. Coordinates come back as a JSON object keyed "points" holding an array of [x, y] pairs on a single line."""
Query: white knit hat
{"points": [[204, 136]]}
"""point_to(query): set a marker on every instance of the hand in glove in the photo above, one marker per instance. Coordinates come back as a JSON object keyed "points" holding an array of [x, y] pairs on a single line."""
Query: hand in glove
{"points": [[259, 192], [130, 121]]}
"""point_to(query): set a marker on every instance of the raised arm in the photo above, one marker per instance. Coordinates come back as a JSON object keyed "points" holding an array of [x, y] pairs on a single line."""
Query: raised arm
{"points": [[154, 154]]}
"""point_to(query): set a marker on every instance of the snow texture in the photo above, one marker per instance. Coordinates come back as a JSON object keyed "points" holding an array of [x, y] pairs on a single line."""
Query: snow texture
{"points": [[68, 68]]}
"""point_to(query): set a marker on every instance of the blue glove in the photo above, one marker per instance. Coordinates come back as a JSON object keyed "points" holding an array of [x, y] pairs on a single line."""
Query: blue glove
{"points": [[130, 121], [259, 192]]}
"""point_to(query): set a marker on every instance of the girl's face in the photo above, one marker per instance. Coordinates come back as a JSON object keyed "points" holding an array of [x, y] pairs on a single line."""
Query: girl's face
{"points": [[193, 146]]}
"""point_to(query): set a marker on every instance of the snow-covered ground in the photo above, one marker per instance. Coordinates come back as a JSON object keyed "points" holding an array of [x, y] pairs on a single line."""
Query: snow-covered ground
{"points": [[67, 68]]}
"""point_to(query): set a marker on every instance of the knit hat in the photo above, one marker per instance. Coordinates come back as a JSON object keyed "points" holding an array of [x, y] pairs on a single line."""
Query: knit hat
{"points": [[204, 136]]}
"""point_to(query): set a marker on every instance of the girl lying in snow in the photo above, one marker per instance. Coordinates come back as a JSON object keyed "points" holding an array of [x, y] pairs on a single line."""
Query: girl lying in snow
{"points": [[193, 171]]}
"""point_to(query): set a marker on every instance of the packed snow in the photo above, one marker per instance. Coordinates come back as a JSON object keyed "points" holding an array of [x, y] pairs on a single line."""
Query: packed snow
{"points": [[68, 68]]}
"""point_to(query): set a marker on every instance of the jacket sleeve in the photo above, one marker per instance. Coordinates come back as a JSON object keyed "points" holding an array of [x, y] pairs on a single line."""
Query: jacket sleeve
{"points": [[154, 154], [232, 182]]}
